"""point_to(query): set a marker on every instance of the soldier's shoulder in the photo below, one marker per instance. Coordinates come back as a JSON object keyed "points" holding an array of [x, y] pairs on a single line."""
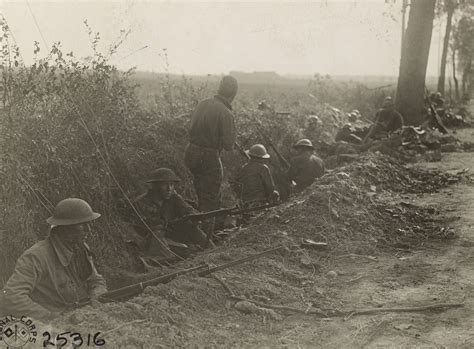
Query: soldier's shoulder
{"points": [[298, 159], [264, 167], [38, 251]]}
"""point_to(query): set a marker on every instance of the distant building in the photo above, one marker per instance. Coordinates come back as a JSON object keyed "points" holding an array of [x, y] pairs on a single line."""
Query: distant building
{"points": [[258, 77]]}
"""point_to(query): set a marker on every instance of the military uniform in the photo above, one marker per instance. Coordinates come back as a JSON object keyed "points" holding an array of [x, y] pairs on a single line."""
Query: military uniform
{"points": [[304, 169], [388, 120], [49, 278], [161, 214], [255, 183], [212, 130], [52, 275]]}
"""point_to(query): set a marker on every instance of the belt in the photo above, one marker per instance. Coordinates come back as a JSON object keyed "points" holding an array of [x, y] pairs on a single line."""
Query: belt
{"points": [[213, 150]]}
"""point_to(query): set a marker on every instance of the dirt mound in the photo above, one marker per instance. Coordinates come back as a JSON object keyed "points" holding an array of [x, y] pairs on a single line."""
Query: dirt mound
{"points": [[355, 210]]}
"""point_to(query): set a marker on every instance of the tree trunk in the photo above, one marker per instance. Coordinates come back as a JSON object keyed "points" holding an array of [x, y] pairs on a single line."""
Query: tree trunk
{"points": [[444, 54], [455, 79], [466, 76], [414, 60]]}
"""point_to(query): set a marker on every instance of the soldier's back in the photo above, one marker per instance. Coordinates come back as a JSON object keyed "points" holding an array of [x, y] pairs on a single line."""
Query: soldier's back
{"points": [[251, 181], [306, 168]]}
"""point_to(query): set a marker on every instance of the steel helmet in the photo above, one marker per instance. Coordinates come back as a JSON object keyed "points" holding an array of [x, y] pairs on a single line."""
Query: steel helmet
{"points": [[163, 175], [72, 211], [387, 102], [304, 143], [258, 151]]}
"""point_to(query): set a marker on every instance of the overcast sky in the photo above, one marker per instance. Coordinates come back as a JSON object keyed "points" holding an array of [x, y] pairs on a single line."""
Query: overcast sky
{"points": [[328, 37]]}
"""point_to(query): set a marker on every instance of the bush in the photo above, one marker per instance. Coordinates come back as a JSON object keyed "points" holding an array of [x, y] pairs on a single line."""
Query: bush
{"points": [[80, 128]]}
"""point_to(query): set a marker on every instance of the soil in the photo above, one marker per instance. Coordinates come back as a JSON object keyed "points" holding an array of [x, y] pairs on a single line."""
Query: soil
{"points": [[392, 246]]}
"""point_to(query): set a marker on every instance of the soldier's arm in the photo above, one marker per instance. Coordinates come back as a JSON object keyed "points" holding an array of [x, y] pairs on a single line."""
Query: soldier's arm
{"points": [[267, 181], [320, 168], [15, 297], [181, 206], [95, 281], [228, 132]]}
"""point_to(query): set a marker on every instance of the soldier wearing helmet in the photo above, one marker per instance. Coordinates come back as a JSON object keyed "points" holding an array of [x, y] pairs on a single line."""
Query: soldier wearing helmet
{"points": [[313, 127], [437, 99], [159, 206], [57, 273], [387, 120], [305, 167], [255, 180]]}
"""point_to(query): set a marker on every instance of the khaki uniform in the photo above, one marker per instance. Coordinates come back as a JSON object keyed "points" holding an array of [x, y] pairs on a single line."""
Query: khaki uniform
{"points": [[255, 183], [388, 120], [49, 278], [304, 169], [212, 130], [161, 214]]}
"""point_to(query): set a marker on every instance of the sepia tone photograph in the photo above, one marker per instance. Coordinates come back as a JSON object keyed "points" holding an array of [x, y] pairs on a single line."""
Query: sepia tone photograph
{"points": [[237, 174]]}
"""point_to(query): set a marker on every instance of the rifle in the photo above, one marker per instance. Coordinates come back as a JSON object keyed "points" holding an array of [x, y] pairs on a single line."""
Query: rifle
{"points": [[268, 140], [195, 217], [135, 289], [242, 151]]}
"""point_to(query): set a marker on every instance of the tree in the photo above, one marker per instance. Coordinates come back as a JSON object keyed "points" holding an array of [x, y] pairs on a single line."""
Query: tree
{"points": [[463, 43], [450, 6], [414, 60]]}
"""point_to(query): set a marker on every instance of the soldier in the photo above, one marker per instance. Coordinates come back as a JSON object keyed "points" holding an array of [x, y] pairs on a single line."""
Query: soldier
{"points": [[255, 179], [212, 130], [387, 119], [57, 273], [437, 100], [160, 206], [305, 167]]}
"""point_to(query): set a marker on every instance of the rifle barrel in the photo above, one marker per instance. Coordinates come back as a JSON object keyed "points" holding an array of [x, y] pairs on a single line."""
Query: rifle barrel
{"points": [[222, 211], [137, 288], [239, 261]]}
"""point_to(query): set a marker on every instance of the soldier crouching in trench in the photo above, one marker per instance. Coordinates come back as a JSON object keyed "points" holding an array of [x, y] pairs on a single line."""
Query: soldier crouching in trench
{"points": [[55, 274], [305, 167], [387, 120], [158, 208], [255, 180]]}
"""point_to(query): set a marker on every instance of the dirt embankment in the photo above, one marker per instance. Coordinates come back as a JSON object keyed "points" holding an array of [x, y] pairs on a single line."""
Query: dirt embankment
{"points": [[363, 211]]}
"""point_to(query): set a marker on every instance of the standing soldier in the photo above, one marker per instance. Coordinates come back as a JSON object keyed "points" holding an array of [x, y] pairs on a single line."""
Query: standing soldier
{"points": [[159, 207], [57, 273], [305, 167], [212, 130], [387, 119], [255, 179]]}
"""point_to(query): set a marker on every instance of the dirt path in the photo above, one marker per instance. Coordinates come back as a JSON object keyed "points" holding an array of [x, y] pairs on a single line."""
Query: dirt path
{"points": [[439, 272]]}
